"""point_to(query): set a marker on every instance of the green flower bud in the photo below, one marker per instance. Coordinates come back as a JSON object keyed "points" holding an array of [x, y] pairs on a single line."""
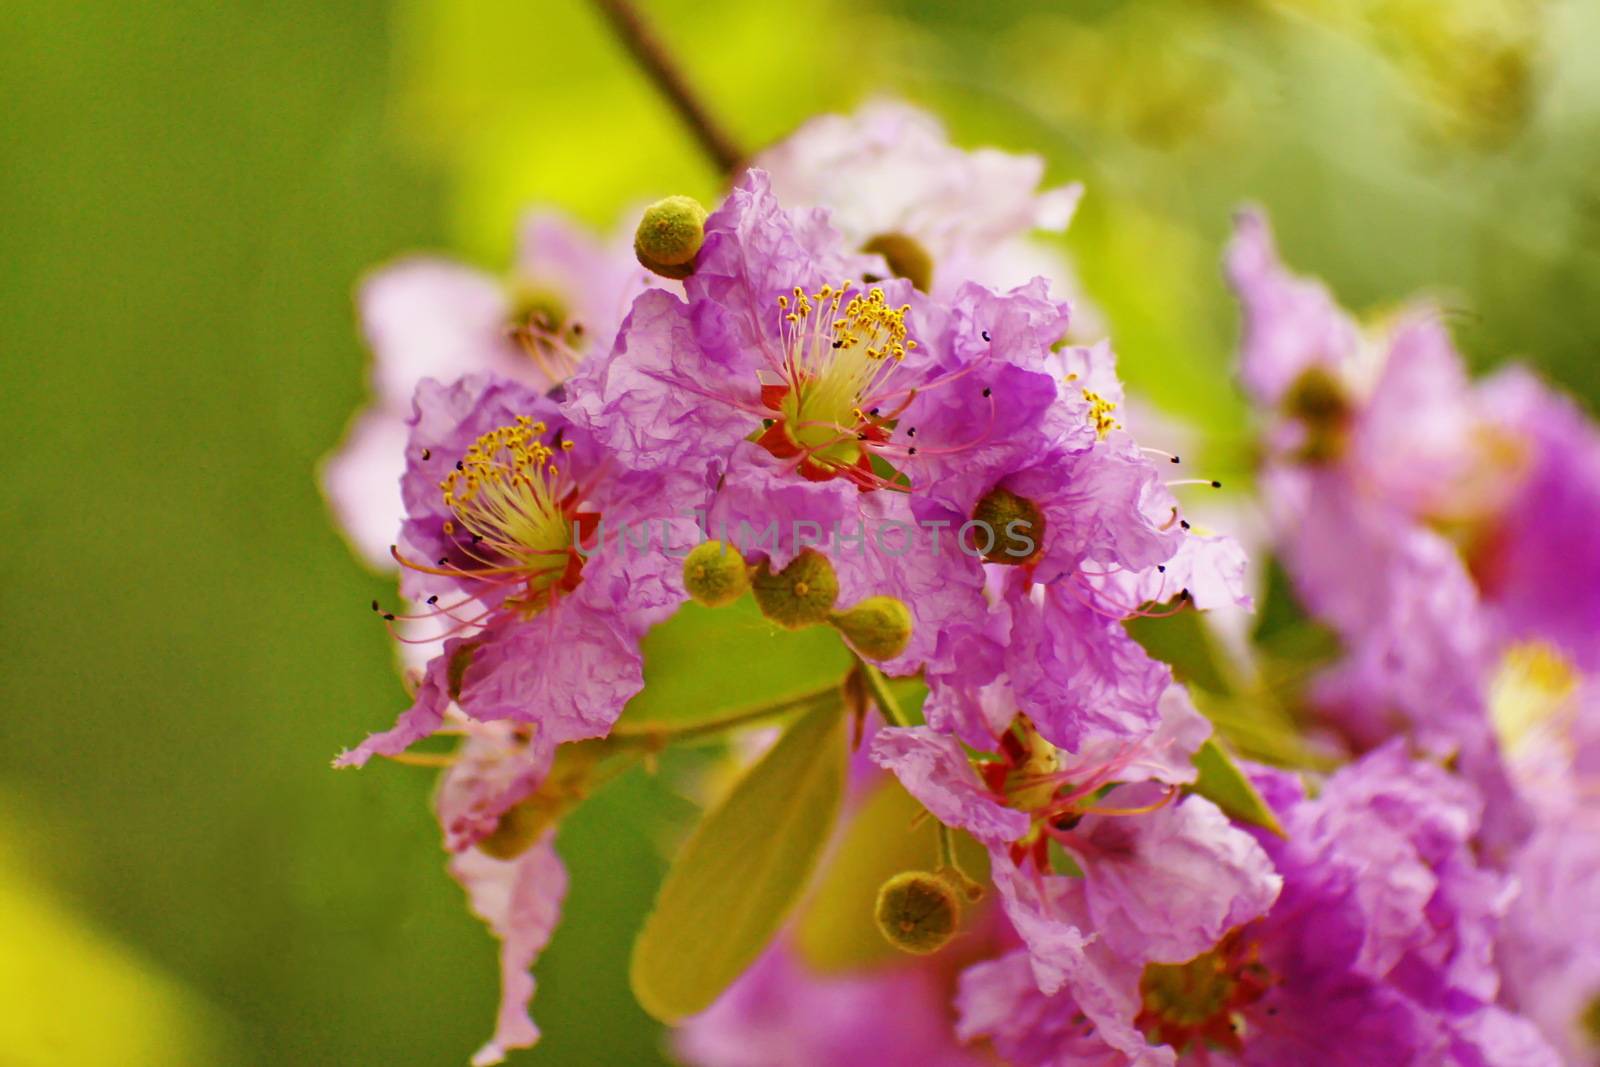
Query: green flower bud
{"points": [[519, 828], [917, 912], [1012, 527], [879, 627], [564, 787], [669, 236], [800, 595], [906, 258], [715, 574]]}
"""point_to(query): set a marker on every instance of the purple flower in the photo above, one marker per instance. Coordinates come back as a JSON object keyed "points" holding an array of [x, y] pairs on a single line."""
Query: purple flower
{"points": [[1000, 1001], [1079, 512], [1154, 880], [1076, 673], [773, 332], [427, 317], [1378, 950], [1380, 447], [1534, 556], [1384, 933], [505, 538], [935, 769], [889, 172]]}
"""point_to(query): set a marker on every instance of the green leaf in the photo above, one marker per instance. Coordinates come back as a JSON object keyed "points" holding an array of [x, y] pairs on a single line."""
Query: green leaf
{"points": [[1224, 784], [741, 870], [705, 663], [1183, 642], [1283, 628]]}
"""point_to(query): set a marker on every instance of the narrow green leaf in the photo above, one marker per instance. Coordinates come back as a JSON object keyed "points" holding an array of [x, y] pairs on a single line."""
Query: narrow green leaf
{"points": [[1224, 784], [1183, 642], [704, 664], [741, 870]]}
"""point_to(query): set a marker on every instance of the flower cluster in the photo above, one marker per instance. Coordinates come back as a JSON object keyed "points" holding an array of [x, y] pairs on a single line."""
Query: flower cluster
{"points": [[854, 389]]}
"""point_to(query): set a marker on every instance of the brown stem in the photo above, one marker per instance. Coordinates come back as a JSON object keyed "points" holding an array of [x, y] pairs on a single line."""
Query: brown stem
{"points": [[648, 51]]}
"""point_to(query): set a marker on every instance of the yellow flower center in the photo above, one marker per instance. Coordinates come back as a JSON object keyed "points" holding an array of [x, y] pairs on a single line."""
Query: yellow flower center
{"points": [[837, 354], [510, 498], [1529, 693], [1200, 1001]]}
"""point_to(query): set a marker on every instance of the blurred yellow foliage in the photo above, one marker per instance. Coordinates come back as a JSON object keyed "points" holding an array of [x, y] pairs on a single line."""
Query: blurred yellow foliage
{"points": [[1474, 61], [69, 994]]}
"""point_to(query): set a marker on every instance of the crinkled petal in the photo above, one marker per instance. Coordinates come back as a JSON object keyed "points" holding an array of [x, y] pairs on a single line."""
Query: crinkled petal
{"points": [[421, 720], [767, 509], [1209, 567], [1108, 505], [999, 1000], [569, 671], [1166, 755], [754, 252], [890, 169], [934, 769], [928, 571], [1167, 884], [657, 400], [1077, 674], [520, 900], [492, 773]]}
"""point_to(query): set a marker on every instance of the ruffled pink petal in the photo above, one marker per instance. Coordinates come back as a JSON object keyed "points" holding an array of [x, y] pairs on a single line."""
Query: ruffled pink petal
{"points": [[934, 769], [1166, 885], [520, 900]]}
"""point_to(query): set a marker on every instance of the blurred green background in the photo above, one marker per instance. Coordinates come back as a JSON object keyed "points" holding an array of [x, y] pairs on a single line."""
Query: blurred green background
{"points": [[188, 191]]}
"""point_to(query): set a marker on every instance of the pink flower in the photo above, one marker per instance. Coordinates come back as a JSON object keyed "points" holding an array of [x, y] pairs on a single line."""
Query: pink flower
{"points": [[890, 170], [1158, 880], [504, 542], [427, 317]]}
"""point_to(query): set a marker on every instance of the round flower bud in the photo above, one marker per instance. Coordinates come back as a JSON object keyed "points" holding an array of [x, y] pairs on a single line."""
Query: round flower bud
{"points": [[879, 627], [715, 574], [906, 258], [917, 912], [1011, 527], [669, 236], [519, 828], [800, 595]]}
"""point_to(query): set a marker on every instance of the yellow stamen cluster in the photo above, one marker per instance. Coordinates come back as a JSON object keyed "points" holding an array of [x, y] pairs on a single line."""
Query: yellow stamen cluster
{"points": [[1529, 693], [507, 493], [870, 318], [838, 352], [1100, 413], [1188, 993]]}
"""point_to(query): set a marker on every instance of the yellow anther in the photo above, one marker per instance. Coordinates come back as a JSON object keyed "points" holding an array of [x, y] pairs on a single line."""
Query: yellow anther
{"points": [[1100, 410]]}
